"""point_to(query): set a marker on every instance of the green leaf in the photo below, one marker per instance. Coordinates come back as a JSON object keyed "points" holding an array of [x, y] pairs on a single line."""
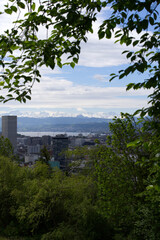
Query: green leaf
{"points": [[139, 29], [112, 78], [9, 95], [129, 86], [28, 97], [137, 112], [8, 11], [75, 60], [149, 53], [129, 54], [41, 7], [72, 64], [134, 143], [133, 58], [21, 4], [13, 47], [140, 67], [59, 63], [144, 24], [101, 34], [122, 75], [155, 15], [108, 33], [151, 20], [135, 42], [33, 6], [126, 51], [14, 9], [118, 35]]}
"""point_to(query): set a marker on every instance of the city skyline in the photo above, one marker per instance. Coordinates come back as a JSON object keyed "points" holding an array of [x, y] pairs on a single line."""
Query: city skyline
{"points": [[9, 129], [85, 89]]}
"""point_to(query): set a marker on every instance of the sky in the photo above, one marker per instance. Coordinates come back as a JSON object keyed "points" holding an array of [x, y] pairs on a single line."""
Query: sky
{"points": [[84, 90]]}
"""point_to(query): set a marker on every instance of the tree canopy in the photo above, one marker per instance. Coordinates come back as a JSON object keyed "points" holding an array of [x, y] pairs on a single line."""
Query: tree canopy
{"points": [[23, 51]]}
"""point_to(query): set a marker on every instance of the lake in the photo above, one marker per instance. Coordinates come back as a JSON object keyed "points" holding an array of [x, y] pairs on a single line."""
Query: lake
{"points": [[52, 134]]}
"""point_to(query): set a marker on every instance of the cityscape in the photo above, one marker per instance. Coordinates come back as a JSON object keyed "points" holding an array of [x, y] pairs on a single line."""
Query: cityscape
{"points": [[28, 148]]}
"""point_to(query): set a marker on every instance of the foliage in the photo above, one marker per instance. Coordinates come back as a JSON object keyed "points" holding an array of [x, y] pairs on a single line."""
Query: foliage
{"points": [[66, 24], [119, 178], [6, 148], [148, 214], [36, 203], [82, 160], [44, 155], [10, 178], [63, 37], [127, 174]]}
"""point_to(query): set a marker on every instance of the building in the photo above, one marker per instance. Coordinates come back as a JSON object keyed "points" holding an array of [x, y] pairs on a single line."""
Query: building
{"points": [[31, 158], [60, 144], [9, 129], [54, 164], [34, 149], [46, 140]]}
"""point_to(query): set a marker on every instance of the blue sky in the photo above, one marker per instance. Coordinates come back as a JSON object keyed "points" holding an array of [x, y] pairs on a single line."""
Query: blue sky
{"points": [[86, 88]]}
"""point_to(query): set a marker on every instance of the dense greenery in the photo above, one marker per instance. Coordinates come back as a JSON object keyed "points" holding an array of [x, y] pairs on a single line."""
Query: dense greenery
{"points": [[126, 173], [128, 182], [36, 203], [115, 197]]}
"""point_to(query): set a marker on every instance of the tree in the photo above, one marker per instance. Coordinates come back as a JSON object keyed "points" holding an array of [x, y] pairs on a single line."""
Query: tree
{"points": [[127, 177], [126, 173], [6, 148], [11, 179], [66, 24], [45, 156]]}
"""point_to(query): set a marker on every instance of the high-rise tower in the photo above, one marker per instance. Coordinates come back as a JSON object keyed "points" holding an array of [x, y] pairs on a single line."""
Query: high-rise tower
{"points": [[9, 129], [60, 144]]}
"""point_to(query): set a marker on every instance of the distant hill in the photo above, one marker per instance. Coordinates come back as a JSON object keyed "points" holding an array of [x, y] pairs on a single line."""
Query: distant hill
{"points": [[67, 124]]}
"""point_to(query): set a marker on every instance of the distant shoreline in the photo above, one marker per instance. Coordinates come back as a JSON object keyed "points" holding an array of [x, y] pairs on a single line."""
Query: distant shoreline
{"points": [[52, 134]]}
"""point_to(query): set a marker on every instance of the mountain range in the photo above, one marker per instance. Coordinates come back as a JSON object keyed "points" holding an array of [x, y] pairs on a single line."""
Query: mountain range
{"points": [[67, 124]]}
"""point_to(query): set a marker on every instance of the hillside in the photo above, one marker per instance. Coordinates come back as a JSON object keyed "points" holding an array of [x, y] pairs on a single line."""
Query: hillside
{"points": [[67, 124]]}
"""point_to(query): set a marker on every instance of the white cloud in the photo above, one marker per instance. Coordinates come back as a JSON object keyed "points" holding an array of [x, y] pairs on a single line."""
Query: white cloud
{"points": [[101, 78], [79, 109], [109, 115], [48, 71], [55, 91], [101, 53], [53, 113], [60, 93], [104, 52], [52, 84]]}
